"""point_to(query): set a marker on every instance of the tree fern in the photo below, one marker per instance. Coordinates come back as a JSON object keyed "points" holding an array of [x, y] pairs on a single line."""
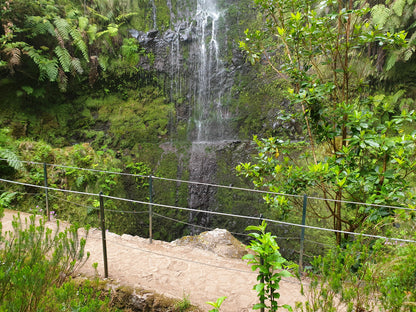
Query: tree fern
{"points": [[11, 158]]}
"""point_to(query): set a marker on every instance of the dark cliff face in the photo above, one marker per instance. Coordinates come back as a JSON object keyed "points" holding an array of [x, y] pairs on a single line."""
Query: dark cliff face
{"points": [[198, 63]]}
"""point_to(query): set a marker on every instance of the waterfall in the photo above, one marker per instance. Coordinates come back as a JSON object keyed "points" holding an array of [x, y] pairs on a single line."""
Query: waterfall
{"points": [[154, 14], [192, 53], [209, 115]]}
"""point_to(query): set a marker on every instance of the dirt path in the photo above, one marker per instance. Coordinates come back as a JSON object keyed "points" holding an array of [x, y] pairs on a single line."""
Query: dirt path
{"points": [[176, 271]]}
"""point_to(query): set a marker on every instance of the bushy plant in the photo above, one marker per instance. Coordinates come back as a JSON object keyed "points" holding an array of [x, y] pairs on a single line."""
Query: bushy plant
{"points": [[364, 275], [34, 259]]}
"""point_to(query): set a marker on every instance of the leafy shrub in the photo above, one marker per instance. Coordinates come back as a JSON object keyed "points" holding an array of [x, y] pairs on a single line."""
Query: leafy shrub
{"points": [[270, 264], [34, 259]]}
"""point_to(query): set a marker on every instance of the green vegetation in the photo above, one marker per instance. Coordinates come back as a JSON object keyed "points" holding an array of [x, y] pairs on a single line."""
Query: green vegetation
{"points": [[335, 77], [217, 304], [358, 145], [270, 264], [37, 263], [359, 138]]}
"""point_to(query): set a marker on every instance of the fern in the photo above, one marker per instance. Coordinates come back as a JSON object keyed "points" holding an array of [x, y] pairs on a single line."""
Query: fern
{"points": [[103, 61], [62, 80], [33, 54], [105, 18], [380, 14], [64, 58], [112, 30], [124, 17], [79, 43], [391, 61], [398, 7], [48, 70], [11, 158], [40, 25], [92, 33], [6, 199], [63, 27], [82, 23], [76, 65]]}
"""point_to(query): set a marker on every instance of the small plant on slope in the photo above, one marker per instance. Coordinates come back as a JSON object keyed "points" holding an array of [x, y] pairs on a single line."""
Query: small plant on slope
{"points": [[270, 265], [217, 304]]}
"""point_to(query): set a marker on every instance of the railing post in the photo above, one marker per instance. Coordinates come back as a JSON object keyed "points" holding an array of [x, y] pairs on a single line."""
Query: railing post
{"points": [[150, 208], [261, 263], [302, 232], [102, 217], [45, 179]]}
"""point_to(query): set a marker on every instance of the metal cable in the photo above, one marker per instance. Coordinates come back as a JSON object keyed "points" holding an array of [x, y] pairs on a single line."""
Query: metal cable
{"points": [[221, 214], [194, 225], [222, 186], [96, 208]]}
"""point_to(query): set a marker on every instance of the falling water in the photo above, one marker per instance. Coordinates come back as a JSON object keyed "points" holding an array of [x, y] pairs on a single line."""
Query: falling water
{"points": [[192, 53], [209, 115], [154, 14]]}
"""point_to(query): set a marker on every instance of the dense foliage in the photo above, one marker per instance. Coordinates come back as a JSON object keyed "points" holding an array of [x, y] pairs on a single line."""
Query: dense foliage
{"points": [[359, 137], [36, 265]]}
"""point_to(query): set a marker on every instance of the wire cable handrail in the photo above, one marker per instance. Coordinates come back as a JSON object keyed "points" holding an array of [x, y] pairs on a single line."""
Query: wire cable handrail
{"points": [[219, 213], [220, 186]]}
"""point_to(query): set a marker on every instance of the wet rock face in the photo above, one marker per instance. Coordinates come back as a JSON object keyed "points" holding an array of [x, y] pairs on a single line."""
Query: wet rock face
{"points": [[218, 241], [198, 70]]}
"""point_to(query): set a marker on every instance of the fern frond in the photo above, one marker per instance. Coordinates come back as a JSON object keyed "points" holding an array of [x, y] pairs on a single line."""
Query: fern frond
{"points": [[62, 80], [398, 7], [63, 27], [64, 58], [14, 55], [59, 38], [48, 70], [391, 61], [11, 158], [34, 55], [105, 18], [82, 23], [76, 65], [92, 33], [111, 30], [380, 14], [6, 199], [79, 43], [103, 61], [124, 17], [40, 25]]}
